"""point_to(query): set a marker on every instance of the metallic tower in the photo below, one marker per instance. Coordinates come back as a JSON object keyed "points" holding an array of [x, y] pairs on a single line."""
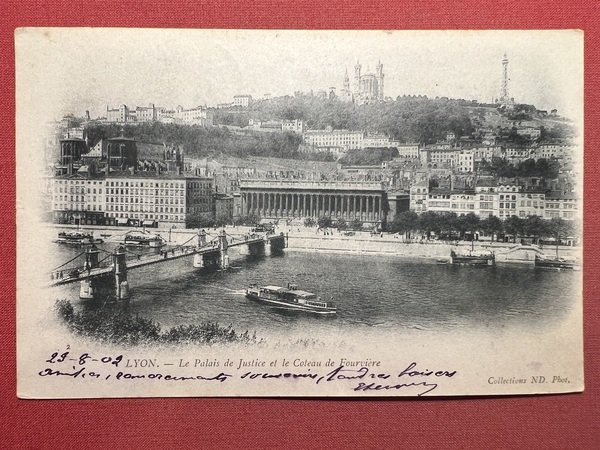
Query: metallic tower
{"points": [[504, 97]]}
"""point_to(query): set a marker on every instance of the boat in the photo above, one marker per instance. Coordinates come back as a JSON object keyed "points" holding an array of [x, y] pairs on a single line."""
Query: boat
{"points": [[472, 258], [139, 239], [555, 263], [77, 238], [290, 298]]}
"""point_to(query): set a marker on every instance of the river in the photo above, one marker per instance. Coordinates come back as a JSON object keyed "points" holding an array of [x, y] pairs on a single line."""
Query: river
{"points": [[371, 292]]}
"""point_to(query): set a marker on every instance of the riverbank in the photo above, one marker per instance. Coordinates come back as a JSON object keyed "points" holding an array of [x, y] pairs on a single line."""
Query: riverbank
{"points": [[362, 243]]}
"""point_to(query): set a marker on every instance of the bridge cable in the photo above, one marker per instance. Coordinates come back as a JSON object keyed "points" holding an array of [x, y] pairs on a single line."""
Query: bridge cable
{"points": [[71, 260]]}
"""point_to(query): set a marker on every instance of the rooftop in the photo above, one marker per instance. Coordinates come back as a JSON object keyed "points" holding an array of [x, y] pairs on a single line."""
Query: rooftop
{"points": [[152, 174]]}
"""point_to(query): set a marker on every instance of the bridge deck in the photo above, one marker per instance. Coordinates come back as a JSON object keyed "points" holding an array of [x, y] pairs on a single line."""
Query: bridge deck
{"points": [[164, 256]]}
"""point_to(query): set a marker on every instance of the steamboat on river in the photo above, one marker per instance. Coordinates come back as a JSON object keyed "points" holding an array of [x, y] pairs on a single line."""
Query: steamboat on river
{"points": [[472, 258], [290, 298], [143, 239], [77, 238]]}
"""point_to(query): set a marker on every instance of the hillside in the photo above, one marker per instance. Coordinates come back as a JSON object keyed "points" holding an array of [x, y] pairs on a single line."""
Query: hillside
{"points": [[199, 141], [406, 119]]}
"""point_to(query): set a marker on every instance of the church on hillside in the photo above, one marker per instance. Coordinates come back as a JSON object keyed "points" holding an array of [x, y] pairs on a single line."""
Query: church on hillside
{"points": [[366, 88]]}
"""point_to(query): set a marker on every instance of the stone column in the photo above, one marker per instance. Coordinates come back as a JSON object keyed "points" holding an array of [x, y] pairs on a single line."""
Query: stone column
{"points": [[360, 207], [335, 205], [321, 204], [294, 204]]}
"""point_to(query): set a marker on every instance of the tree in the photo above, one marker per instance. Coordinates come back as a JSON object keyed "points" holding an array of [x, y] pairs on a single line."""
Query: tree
{"points": [[468, 222], [447, 223], [536, 227], [430, 222], [405, 222], [492, 225], [199, 221], [558, 228], [513, 225]]}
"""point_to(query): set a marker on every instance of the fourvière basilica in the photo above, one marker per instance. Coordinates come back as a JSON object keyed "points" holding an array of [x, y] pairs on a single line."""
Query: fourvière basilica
{"points": [[366, 88]]}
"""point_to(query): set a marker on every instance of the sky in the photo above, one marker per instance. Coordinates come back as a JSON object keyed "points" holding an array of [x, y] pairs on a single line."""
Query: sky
{"points": [[63, 70]]}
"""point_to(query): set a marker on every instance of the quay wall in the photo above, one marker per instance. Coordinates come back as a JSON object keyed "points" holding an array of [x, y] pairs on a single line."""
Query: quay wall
{"points": [[363, 243], [387, 245]]}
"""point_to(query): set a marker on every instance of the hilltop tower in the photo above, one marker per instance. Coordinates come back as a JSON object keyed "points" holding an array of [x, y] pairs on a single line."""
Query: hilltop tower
{"points": [[346, 81], [357, 68], [505, 99], [379, 74]]}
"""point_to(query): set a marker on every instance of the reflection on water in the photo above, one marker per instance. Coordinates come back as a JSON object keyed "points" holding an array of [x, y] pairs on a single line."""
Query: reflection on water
{"points": [[370, 292]]}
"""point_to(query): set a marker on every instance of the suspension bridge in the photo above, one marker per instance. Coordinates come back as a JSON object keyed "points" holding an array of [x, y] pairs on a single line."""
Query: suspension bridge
{"points": [[110, 272]]}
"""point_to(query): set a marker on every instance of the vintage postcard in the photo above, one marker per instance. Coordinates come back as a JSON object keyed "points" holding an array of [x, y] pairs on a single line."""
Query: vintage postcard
{"points": [[298, 213]]}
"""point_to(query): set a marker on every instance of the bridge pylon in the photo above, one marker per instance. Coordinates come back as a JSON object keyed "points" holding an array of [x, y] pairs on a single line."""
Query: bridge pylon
{"points": [[120, 273], [223, 244], [88, 287]]}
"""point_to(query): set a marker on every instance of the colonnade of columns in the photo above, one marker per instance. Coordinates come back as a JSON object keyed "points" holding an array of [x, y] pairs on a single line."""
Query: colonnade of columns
{"points": [[295, 205]]}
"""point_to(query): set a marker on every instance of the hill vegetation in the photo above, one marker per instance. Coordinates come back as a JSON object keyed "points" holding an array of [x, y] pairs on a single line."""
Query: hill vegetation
{"points": [[199, 141], [407, 119]]}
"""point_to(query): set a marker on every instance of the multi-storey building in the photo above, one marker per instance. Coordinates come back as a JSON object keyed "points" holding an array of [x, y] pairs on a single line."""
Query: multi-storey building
{"points": [[407, 150], [530, 203], [78, 199], [438, 200], [418, 197], [486, 197], [145, 198], [561, 205], [295, 126], [517, 154], [507, 200], [462, 202], [466, 161], [440, 157], [486, 152], [242, 100], [530, 132], [193, 116], [376, 141], [549, 151], [346, 139], [144, 114]]}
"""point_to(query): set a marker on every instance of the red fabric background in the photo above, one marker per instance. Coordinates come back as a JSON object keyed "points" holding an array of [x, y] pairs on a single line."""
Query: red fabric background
{"points": [[559, 421]]}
